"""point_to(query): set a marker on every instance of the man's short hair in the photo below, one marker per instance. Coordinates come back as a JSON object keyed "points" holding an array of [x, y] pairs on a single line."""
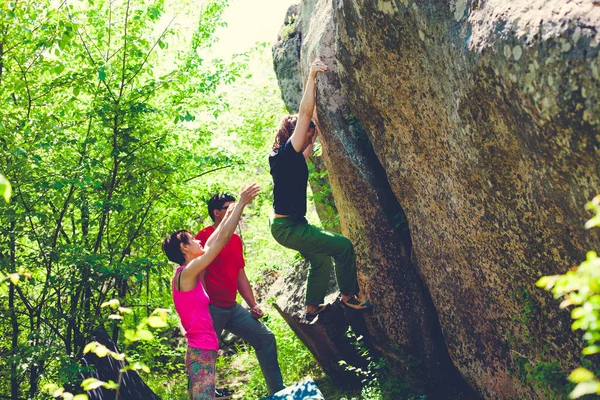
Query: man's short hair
{"points": [[217, 202], [172, 245]]}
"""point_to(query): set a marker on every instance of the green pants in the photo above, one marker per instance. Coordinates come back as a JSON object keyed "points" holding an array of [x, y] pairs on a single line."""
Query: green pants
{"points": [[317, 246]]}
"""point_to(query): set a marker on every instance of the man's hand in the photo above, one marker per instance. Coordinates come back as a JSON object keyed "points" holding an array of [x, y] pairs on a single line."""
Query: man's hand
{"points": [[256, 312], [249, 193]]}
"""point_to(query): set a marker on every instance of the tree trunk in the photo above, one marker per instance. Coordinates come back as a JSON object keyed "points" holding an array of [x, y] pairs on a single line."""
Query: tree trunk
{"points": [[14, 382]]}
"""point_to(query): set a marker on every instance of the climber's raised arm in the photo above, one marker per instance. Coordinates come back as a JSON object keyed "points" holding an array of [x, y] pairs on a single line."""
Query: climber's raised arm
{"points": [[307, 106]]}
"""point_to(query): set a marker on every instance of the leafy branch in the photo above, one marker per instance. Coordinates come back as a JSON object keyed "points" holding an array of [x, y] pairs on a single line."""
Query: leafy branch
{"points": [[580, 287]]}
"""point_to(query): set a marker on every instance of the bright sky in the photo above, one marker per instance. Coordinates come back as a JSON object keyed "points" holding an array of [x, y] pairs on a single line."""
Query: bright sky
{"points": [[248, 22]]}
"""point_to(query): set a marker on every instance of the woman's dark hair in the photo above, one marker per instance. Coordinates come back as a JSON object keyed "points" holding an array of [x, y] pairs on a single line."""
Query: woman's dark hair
{"points": [[286, 129], [171, 246], [217, 202]]}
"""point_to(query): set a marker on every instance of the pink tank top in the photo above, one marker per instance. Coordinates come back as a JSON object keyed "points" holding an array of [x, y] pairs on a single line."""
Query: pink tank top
{"points": [[192, 307]]}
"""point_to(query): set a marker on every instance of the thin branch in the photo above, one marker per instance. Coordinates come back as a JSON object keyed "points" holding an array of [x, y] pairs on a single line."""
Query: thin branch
{"points": [[24, 299], [109, 28], [208, 172], [29, 101], [33, 228], [93, 43], [124, 51], [94, 63], [151, 49], [62, 215]]}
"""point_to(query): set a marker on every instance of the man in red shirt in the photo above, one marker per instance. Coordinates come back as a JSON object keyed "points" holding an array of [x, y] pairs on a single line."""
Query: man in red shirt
{"points": [[223, 278]]}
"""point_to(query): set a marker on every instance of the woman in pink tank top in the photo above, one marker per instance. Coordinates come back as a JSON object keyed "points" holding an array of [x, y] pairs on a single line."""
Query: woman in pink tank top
{"points": [[191, 300]]}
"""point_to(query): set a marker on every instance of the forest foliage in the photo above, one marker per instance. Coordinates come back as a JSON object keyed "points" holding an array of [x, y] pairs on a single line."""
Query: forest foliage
{"points": [[115, 127]]}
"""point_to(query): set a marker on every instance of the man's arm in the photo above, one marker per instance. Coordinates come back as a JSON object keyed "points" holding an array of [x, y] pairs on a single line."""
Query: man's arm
{"points": [[246, 292]]}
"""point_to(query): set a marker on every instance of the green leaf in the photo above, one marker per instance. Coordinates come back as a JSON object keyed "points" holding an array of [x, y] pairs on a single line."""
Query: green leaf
{"points": [[50, 387], [578, 312], [113, 303], [129, 334], [580, 375], [156, 322], [138, 365], [583, 388], [101, 350], [101, 73], [91, 384], [5, 188], [546, 282], [14, 278], [111, 385], [90, 347], [144, 334], [81, 397], [590, 350]]}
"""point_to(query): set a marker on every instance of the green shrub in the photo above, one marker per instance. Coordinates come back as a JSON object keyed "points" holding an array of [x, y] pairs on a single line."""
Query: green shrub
{"points": [[580, 287]]}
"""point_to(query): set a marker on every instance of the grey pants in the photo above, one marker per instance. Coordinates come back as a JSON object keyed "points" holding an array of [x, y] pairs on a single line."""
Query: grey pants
{"points": [[239, 321]]}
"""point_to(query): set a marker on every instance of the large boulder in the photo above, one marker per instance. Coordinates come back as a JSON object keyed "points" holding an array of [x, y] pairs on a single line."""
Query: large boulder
{"points": [[461, 140]]}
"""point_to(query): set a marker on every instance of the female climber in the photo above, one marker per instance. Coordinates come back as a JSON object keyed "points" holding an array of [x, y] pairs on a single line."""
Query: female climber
{"points": [[293, 145], [191, 300]]}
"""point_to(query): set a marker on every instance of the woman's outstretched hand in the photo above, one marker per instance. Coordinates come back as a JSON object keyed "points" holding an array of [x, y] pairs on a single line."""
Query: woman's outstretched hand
{"points": [[249, 193], [317, 66]]}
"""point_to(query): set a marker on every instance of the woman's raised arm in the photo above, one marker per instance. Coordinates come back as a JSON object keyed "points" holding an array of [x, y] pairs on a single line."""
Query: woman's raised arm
{"points": [[222, 234], [307, 106]]}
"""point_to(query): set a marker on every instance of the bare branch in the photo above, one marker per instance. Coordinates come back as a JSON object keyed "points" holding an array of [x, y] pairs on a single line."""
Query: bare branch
{"points": [[207, 172]]}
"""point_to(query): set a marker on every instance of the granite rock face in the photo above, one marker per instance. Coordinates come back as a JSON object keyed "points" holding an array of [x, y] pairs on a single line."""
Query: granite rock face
{"points": [[461, 140], [286, 59]]}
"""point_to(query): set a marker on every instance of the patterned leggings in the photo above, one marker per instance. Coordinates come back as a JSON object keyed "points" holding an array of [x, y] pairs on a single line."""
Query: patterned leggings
{"points": [[200, 365]]}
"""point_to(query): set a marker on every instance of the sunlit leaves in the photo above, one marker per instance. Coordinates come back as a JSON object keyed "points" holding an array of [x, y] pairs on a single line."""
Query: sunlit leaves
{"points": [[16, 277], [143, 334], [580, 375], [580, 287], [58, 391], [583, 388], [113, 303], [102, 351], [93, 383], [594, 206], [5, 188], [156, 322]]}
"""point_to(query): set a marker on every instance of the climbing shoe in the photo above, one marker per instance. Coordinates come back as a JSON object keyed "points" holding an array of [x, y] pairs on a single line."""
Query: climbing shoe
{"points": [[311, 316], [356, 304], [223, 394]]}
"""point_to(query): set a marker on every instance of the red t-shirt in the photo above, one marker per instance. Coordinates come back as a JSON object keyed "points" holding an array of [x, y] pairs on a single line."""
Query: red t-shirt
{"points": [[221, 276]]}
